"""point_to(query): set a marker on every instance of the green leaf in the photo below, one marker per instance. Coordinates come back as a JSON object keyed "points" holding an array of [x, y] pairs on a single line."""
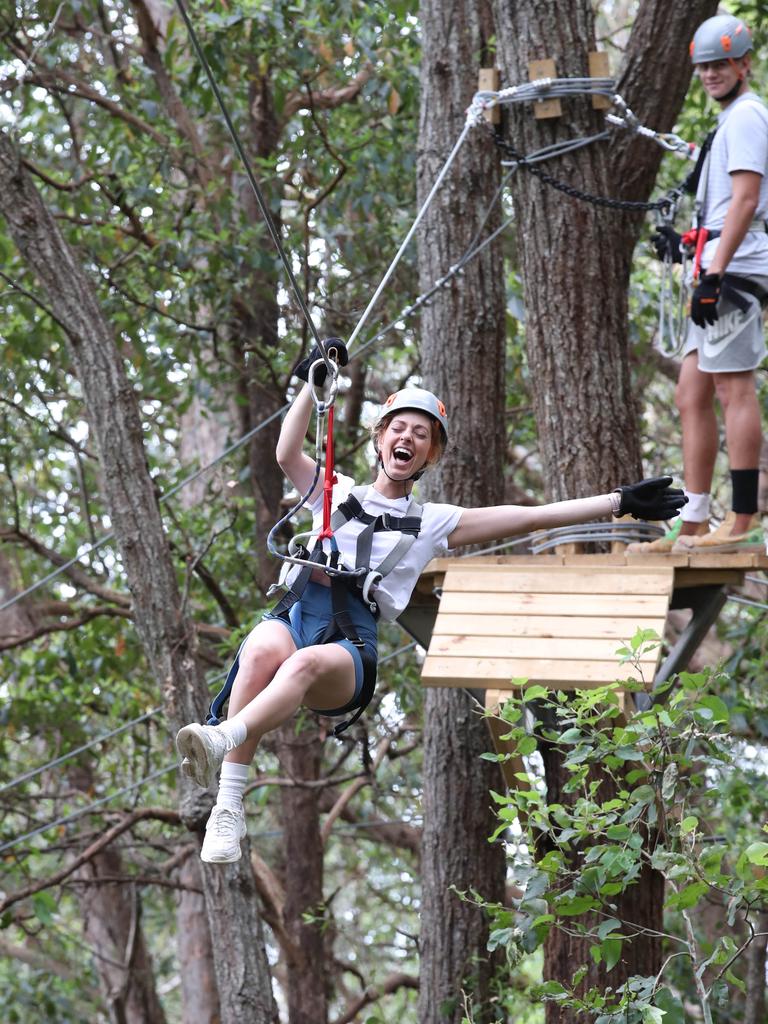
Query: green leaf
{"points": [[689, 824], [717, 708], [535, 693], [757, 853], [612, 951], [575, 906]]}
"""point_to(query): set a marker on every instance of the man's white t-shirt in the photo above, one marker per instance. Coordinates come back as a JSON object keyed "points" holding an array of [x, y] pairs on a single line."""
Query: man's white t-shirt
{"points": [[437, 524], [740, 144]]}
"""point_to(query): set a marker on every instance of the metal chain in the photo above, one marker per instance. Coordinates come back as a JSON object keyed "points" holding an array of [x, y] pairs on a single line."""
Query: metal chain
{"points": [[634, 205]]}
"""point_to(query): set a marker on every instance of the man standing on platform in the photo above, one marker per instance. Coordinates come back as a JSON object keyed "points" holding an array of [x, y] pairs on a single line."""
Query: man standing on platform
{"points": [[724, 343]]}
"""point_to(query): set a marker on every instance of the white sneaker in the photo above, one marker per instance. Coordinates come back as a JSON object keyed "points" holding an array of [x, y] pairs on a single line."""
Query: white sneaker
{"points": [[223, 834], [203, 748]]}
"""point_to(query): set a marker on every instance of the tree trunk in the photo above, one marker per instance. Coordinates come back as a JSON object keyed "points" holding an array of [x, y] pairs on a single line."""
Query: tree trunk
{"points": [[306, 987], [199, 997], [576, 309], [167, 636], [463, 362], [112, 926]]}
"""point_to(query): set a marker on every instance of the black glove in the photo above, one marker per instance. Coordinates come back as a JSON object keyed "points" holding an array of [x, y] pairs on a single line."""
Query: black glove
{"points": [[667, 243], [651, 499], [704, 300], [336, 350]]}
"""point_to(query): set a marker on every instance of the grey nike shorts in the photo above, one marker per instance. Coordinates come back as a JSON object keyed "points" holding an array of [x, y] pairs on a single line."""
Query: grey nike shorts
{"points": [[735, 341]]}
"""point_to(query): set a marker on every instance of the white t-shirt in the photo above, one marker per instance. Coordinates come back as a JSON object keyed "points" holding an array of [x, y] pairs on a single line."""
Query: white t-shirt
{"points": [[740, 144], [438, 522]]}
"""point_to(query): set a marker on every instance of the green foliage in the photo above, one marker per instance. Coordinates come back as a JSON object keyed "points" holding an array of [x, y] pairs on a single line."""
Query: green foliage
{"points": [[650, 792]]}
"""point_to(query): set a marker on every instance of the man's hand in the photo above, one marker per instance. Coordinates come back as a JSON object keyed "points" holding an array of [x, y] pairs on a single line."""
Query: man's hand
{"points": [[704, 300], [667, 243], [651, 499], [336, 350]]}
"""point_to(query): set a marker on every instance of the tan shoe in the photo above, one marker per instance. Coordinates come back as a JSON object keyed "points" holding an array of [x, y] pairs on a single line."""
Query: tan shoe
{"points": [[662, 545], [722, 540]]}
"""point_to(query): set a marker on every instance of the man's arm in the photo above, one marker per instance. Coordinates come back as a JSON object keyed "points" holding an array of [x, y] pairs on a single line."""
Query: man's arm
{"points": [[741, 212]]}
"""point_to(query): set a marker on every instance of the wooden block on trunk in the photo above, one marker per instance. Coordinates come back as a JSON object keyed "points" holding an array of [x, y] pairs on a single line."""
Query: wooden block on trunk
{"points": [[544, 69], [488, 80], [600, 67]]}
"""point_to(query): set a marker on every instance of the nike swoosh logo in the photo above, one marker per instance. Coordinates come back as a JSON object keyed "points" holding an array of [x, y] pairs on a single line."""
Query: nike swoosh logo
{"points": [[732, 325]]}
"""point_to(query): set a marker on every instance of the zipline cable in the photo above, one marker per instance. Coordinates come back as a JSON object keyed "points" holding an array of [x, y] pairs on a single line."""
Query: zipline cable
{"points": [[406, 312], [419, 217], [78, 750], [135, 785], [252, 180]]}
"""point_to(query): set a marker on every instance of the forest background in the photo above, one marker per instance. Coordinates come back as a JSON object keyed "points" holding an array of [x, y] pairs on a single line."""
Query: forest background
{"points": [[147, 340]]}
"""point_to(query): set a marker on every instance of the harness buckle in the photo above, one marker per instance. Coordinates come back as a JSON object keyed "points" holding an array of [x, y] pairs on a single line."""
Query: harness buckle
{"points": [[371, 581]]}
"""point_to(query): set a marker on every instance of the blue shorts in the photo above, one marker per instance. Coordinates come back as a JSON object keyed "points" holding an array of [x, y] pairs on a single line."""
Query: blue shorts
{"points": [[308, 620]]}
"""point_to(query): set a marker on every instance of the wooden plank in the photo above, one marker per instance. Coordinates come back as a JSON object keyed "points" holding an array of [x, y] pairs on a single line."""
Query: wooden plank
{"points": [[488, 80], [596, 559], [600, 67], [712, 560], [544, 69], [544, 625], [563, 580], [553, 649], [690, 577], [656, 560], [499, 672], [610, 605]]}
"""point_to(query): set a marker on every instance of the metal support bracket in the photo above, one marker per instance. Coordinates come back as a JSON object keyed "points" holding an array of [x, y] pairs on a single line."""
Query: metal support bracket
{"points": [[707, 603]]}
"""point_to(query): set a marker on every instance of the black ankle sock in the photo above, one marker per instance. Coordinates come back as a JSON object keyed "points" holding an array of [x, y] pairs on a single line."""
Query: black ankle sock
{"points": [[744, 489]]}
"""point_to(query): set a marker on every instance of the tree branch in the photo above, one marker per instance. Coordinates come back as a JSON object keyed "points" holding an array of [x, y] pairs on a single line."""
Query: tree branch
{"points": [[328, 99], [147, 813], [373, 992]]}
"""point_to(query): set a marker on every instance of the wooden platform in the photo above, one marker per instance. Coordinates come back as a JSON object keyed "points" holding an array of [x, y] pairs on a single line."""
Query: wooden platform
{"points": [[559, 625], [553, 619], [489, 622]]}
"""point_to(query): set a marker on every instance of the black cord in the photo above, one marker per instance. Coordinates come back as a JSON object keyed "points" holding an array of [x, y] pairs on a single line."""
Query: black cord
{"points": [[250, 175]]}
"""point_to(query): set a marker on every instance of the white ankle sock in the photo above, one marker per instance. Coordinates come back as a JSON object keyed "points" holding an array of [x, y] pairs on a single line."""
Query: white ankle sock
{"points": [[697, 508], [235, 732], [232, 785]]}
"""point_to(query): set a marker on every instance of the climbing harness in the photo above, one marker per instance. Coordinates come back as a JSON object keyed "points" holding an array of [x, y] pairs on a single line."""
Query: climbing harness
{"points": [[356, 584]]}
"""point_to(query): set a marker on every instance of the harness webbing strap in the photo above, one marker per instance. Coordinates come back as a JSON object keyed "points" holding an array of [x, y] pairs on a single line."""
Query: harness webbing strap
{"points": [[329, 480], [733, 284], [408, 525]]}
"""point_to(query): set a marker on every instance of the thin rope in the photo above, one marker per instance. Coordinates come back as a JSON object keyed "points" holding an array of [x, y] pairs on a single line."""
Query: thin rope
{"points": [[251, 178], [745, 600], [78, 750], [153, 775], [89, 548], [433, 191], [65, 819]]}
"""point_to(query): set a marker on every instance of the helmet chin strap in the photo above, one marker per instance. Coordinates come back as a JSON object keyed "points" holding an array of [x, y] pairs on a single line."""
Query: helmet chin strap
{"points": [[414, 476]]}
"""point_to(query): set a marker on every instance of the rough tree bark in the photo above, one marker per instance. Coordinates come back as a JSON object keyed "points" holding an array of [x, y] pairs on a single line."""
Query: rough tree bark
{"points": [[167, 635], [307, 978], [463, 362], [576, 325], [112, 926]]}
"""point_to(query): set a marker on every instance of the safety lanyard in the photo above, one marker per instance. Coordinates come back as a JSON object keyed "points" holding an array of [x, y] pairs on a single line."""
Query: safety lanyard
{"points": [[329, 480]]}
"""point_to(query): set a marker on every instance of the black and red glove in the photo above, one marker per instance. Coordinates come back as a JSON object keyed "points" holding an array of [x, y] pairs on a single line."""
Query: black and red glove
{"points": [[667, 243], [336, 350], [704, 300]]}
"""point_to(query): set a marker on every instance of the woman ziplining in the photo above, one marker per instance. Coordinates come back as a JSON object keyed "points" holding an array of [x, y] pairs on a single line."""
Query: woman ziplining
{"points": [[318, 650]]}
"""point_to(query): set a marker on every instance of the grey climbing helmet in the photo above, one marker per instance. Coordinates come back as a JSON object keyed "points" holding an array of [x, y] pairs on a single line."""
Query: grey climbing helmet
{"points": [[421, 401], [723, 37]]}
